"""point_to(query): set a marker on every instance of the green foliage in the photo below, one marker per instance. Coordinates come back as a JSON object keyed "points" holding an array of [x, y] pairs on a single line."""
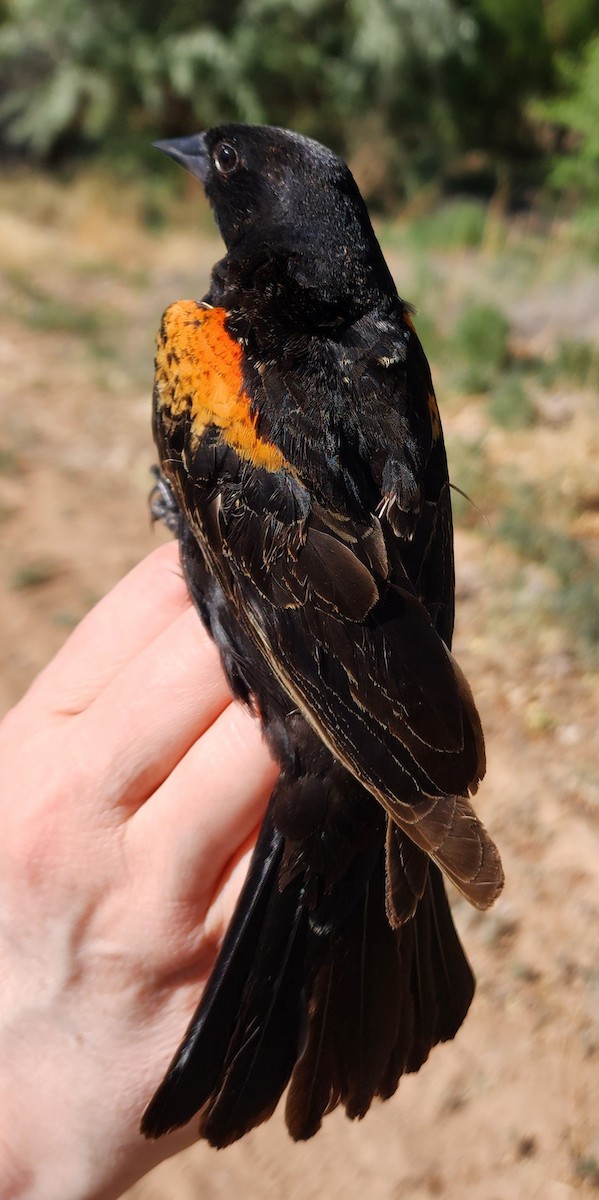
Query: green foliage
{"points": [[116, 71], [570, 23], [523, 527], [481, 332], [411, 92], [510, 405], [576, 361], [575, 598], [576, 110], [456, 225], [490, 91], [480, 341]]}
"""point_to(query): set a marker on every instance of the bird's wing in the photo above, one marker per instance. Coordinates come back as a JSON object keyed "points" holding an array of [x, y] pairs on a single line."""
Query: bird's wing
{"points": [[357, 652]]}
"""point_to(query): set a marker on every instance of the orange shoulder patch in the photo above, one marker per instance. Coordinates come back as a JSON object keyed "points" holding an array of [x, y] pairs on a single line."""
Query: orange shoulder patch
{"points": [[198, 372]]}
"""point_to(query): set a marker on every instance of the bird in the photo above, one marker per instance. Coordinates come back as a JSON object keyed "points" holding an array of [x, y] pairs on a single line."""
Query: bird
{"points": [[302, 468]]}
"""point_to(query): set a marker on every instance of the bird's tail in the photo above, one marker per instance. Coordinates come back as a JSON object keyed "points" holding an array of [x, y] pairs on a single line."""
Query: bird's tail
{"points": [[332, 998]]}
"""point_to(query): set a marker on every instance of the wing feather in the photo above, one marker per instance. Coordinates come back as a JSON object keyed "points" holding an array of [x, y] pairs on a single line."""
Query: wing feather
{"points": [[332, 606]]}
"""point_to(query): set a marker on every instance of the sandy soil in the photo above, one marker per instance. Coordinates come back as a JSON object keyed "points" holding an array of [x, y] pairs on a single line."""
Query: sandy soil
{"points": [[511, 1109]]}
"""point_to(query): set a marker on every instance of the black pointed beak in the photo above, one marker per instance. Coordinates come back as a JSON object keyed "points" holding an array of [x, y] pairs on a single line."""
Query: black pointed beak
{"points": [[189, 152]]}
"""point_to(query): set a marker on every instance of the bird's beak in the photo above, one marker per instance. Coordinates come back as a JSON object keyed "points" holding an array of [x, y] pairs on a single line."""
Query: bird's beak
{"points": [[189, 152]]}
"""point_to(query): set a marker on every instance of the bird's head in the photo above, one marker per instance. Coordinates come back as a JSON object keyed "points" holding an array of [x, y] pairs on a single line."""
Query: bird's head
{"points": [[277, 192]]}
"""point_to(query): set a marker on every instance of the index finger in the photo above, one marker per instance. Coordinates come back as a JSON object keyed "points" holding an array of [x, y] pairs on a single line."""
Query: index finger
{"points": [[114, 632]]}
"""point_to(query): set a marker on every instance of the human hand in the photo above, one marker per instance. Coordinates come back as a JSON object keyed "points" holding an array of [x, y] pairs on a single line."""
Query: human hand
{"points": [[131, 789]]}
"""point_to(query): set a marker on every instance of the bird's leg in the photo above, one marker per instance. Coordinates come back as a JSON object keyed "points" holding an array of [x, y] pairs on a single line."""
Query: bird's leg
{"points": [[163, 506]]}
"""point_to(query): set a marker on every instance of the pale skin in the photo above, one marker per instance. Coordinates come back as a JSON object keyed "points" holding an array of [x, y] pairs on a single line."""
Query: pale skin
{"points": [[131, 789]]}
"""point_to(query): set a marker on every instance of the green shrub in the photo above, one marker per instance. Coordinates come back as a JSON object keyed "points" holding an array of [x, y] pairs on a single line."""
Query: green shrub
{"points": [[510, 405], [480, 342], [575, 598], [481, 333], [579, 361], [577, 112], [455, 225], [114, 73]]}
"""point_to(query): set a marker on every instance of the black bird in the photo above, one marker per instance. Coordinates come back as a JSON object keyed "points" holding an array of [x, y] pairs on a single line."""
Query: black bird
{"points": [[304, 472]]}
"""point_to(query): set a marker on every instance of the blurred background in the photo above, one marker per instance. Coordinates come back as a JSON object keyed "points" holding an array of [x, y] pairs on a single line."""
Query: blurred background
{"points": [[473, 128]]}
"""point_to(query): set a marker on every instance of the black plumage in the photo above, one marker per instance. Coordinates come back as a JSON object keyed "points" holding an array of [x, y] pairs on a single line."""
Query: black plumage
{"points": [[325, 575]]}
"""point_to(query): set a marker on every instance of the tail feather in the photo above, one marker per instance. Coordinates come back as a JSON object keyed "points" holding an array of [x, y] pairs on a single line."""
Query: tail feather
{"points": [[353, 1017], [197, 1066], [342, 1007], [437, 984], [442, 981], [265, 1043]]}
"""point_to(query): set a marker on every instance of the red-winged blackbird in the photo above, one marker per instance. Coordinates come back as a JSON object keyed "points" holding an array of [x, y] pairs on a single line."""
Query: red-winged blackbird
{"points": [[304, 473]]}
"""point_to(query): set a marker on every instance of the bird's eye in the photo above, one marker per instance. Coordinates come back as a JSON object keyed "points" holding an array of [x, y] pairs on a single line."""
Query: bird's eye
{"points": [[225, 158]]}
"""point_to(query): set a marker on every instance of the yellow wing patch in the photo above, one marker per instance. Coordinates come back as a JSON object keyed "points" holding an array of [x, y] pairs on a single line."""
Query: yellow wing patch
{"points": [[198, 371]]}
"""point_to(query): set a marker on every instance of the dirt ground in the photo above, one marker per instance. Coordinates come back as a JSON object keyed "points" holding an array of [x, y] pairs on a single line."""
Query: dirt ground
{"points": [[511, 1109]]}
